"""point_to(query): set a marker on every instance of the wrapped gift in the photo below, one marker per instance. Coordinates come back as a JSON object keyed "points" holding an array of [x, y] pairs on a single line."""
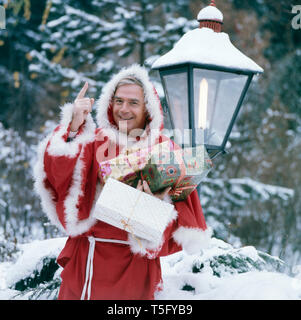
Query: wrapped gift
{"points": [[184, 171], [197, 166], [134, 211], [127, 166], [161, 166]]}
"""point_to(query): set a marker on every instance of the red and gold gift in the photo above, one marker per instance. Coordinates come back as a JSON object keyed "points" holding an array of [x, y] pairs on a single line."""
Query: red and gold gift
{"points": [[161, 166]]}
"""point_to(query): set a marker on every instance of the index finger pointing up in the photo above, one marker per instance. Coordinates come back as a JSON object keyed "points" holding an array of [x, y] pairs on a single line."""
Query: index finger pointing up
{"points": [[83, 91]]}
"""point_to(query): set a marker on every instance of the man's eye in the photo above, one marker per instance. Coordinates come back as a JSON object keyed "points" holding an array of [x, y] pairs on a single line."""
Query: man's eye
{"points": [[134, 103], [118, 101]]}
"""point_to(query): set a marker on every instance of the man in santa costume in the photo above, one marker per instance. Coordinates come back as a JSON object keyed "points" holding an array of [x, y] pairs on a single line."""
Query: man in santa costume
{"points": [[99, 260]]}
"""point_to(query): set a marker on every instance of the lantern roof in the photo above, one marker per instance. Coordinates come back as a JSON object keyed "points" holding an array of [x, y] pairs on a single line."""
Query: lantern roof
{"points": [[206, 45]]}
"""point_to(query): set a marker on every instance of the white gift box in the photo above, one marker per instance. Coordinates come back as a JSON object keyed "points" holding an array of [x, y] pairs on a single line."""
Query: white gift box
{"points": [[132, 210]]}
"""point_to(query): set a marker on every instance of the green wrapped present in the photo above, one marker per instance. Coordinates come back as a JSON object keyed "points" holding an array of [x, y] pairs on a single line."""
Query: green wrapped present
{"points": [[161, 166]]}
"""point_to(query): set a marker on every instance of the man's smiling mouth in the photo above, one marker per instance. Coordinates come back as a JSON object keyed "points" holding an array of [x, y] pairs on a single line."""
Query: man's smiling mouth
{"points": [[125, 119]]}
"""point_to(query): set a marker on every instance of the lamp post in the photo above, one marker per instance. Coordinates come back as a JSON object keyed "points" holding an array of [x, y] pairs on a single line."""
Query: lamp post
{"points": [[205, 79]]}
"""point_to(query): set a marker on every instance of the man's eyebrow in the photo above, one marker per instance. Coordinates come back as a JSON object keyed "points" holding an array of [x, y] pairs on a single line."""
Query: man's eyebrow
{"points": [[131, 99]]}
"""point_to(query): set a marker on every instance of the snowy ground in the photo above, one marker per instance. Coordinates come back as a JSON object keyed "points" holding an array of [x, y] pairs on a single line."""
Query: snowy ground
{"points": [[253, 285], [220, 272], [232, 284]]}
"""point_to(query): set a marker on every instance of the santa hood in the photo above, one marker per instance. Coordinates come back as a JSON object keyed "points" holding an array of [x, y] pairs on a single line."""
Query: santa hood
{"points": [[104, 116]]}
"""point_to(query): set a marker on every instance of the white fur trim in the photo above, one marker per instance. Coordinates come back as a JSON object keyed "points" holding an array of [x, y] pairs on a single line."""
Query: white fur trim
{"points": [[149, 245], [167, 198], [74, 226], [152, 103], [192, 240], [39, 175], [58, 146]]}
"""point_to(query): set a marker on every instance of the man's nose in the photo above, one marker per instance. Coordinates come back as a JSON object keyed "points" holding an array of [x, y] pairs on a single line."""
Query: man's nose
{"points": [[125, 107]]}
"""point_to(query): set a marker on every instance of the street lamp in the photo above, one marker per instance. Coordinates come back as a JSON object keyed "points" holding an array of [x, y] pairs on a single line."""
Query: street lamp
{"points": [[205, 79]]}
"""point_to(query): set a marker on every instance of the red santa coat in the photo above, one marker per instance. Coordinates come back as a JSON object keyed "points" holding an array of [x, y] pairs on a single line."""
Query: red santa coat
{"points": [[66, 178]]}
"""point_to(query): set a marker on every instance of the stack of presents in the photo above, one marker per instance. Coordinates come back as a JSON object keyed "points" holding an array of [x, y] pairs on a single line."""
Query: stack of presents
{"points": [[162, 165]]}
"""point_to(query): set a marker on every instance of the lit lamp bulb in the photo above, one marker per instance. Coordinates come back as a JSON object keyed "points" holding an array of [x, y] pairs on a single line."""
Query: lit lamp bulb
{"points": [[203, 99]]}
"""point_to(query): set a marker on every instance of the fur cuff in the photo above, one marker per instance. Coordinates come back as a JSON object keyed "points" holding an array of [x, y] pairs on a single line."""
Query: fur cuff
{"points": [[192, 240], [141, 246], [148, 248], [167, 198], [58, 145]]}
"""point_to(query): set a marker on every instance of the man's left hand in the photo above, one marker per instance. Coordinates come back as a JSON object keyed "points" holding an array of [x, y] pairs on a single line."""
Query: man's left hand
{"points": [[143, 186]]}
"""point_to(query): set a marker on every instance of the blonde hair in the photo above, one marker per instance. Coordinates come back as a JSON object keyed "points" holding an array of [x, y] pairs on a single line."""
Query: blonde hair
{"points": [[129, 80]]}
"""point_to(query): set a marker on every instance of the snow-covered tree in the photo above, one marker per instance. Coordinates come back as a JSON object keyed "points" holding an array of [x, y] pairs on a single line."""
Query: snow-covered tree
{"points": [[15, 206], [244, 211]]}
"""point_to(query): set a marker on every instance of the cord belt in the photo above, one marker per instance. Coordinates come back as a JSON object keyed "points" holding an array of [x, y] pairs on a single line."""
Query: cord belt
{"points": [[89, 266]]}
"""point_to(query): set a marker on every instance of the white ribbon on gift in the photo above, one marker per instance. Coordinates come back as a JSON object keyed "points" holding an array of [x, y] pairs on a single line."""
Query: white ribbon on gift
{"points": [[89, 265]]}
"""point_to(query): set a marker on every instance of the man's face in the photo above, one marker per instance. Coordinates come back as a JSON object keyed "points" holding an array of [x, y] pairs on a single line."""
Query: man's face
{"points": [[129, 108]]}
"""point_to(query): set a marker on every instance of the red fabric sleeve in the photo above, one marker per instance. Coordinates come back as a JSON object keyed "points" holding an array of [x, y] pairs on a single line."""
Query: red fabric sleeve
{"points": [[191, 212]]}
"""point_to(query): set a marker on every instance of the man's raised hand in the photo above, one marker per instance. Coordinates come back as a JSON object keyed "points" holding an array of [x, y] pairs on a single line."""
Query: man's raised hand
{"points": [[82, 107]]}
